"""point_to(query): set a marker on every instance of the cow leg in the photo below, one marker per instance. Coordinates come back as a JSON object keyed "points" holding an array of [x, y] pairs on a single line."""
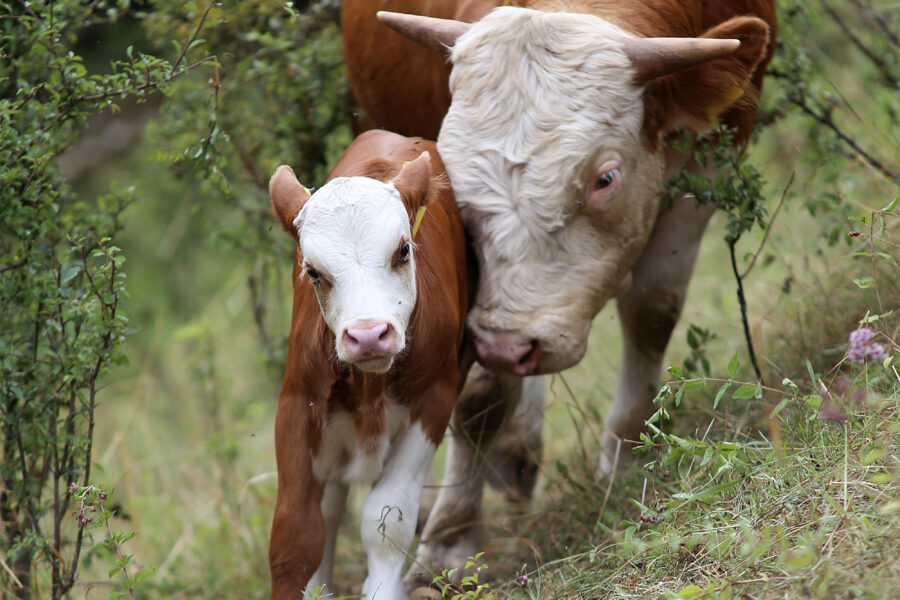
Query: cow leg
{"points": [[452, 532], [334, 500], [648, 312], [515, 457], [389, 514]]}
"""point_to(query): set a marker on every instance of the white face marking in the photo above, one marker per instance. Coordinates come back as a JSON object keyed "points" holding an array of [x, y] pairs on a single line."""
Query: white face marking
{"points": [[351, 235], [542, 102]]}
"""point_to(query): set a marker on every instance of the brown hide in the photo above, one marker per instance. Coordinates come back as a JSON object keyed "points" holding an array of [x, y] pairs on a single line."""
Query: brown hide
{"points": [[403, 86], [425, 378], [399, 85]]}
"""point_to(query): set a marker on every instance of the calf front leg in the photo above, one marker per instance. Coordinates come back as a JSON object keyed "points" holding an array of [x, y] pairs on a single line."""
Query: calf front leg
{"points": [[452, 532], [297, 540], [388, 522], [648, 312], [334, 500]]}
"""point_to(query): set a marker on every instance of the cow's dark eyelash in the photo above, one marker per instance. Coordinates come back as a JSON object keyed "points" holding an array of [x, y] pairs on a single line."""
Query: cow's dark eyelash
{"points": [[604, 180], [314, 277]]}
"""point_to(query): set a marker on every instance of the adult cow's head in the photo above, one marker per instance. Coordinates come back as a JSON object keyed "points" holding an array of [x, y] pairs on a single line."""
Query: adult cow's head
{"points": [[356, 249], [552, 145]]}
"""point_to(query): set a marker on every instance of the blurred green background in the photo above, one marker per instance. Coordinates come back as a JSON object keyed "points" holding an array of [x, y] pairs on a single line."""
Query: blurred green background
{"points": [[184, 432]]}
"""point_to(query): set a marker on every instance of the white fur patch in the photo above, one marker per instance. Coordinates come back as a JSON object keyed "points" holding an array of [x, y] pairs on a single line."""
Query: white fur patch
{"points": [[540, 100], [342, 457]]}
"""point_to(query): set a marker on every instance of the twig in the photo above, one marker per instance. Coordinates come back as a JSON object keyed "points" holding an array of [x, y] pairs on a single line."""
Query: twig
{"points": [[879, 20], [145, 86], [743, 304], [193, 37], [885, 70], [825, 119], [10, 571], [769, 227]]}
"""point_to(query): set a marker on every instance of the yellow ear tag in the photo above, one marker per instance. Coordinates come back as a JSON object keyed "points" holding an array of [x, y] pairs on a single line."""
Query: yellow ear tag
{"points": [[419, 214]]}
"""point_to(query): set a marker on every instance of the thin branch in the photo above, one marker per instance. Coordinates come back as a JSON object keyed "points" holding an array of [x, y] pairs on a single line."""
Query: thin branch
{"points": [[743, 304], [879, 20], [769, 227], [187, 44], [885, 69], [144, 86], [825, 119]]}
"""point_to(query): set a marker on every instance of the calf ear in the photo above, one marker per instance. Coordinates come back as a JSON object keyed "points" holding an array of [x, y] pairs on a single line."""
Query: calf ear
{"points": [[695, 96], [288, 196], [413, 182]]}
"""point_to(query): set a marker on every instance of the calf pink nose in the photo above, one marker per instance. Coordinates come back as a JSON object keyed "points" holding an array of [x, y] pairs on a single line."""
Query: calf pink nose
{"points": [[374, 340], [511, 356]]}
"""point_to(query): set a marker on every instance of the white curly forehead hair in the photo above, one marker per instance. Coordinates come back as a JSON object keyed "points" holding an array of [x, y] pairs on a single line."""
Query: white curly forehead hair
{"points": [[540, 101]]}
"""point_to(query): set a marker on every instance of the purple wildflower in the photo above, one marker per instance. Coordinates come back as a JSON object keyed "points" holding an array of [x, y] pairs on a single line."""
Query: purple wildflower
{"points": [[863, 348], [522, 580]]}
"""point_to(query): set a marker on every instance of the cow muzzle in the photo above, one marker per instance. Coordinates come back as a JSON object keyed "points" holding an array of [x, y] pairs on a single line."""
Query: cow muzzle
{"points": [[370, 345], [509, 355]]}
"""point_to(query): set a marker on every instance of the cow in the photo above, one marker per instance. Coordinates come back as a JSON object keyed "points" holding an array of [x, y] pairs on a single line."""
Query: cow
{"points": [[555, 144], [376, 354]]}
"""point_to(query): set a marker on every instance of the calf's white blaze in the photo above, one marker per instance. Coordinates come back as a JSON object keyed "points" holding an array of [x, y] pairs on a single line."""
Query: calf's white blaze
{"points": [[540, 102], [349, 232]]}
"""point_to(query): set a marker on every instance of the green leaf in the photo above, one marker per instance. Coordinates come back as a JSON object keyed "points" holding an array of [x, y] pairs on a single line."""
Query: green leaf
{"points": [[71, 273], [691, 591], [676, 372], [734, 364], [814, 401], [890, 207], [719, 395], [697, 384], [864, 282], [888, 258], [748, 390], [780, 406]]}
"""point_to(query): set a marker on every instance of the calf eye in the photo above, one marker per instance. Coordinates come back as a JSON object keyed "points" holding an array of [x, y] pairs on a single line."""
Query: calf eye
{"points": [[314, 277], [404, 252]]}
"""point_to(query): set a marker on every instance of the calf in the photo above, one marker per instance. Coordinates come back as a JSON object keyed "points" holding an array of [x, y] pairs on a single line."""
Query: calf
{"points": [[375, 355]]}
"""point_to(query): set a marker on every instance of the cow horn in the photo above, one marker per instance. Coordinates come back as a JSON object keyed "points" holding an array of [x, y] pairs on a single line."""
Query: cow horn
{"points": [[431, 32], [655, 57]]}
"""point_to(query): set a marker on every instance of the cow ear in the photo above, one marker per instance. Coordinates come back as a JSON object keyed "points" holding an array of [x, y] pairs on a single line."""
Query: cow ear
{"points": [[413, 182], [695, 96], [288, 196]]}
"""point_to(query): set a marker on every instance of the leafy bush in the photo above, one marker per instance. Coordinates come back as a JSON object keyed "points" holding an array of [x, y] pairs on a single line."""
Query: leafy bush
{"points": [[61, 281]]}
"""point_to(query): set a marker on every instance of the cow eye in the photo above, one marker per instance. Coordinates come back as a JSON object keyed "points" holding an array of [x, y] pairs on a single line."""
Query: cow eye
{"points": [[606, 179], [403, 253]]}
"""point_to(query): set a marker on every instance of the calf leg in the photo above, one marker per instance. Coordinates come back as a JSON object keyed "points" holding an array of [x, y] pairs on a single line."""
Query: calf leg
{"points": [[648, 312], [334, 500], [452, 532], [389, 514], [298, 535]]}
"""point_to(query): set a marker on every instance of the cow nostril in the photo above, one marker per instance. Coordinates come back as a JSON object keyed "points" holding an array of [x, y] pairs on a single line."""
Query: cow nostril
{"points": [[387, 334], [529, 353]]}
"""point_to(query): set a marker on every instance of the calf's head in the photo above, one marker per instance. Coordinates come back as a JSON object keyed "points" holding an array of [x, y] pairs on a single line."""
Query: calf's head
{"points": [[356, 250], [552, 146]]}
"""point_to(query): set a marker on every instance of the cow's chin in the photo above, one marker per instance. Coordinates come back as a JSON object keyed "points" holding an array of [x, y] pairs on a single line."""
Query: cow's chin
{"points": [[553, 348], [375, 365]]}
